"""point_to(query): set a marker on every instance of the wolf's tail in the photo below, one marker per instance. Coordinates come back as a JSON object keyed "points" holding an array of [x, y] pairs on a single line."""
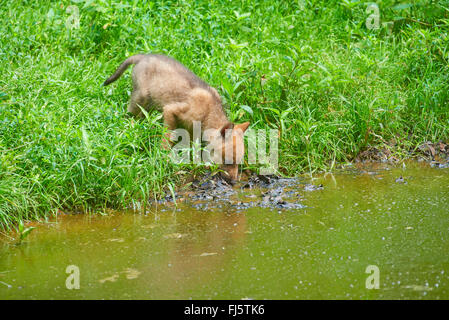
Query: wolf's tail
{"points": [[131, 60]]}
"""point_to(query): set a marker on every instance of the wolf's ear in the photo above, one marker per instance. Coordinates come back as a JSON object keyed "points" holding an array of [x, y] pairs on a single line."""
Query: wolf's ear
{"points": [[224, 128], [242, 126]]}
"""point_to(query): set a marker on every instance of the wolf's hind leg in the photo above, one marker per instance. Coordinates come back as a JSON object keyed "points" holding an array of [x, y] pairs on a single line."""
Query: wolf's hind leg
{"points": [[136, 100]]}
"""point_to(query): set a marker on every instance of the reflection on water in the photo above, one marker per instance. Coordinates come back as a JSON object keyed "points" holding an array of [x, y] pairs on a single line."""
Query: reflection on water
{"points": [[322, 251]]}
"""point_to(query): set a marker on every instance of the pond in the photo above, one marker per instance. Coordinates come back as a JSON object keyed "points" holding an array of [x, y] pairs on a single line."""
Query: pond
{"points": [[366, 225]]}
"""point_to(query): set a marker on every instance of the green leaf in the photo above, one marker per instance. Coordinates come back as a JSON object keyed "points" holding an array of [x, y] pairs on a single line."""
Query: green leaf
{"points": [[242, 16], [172, 191], [85, 137], [402, 6], [3, 96], [247, 109], [50, 14], [20, 226], [26, 232], [227, 86]]}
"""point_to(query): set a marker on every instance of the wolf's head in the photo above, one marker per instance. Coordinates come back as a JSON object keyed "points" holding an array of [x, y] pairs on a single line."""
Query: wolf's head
{"points": [[229, 148]]}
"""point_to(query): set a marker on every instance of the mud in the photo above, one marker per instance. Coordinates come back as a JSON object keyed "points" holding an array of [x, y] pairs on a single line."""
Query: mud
{"points": [[272, 192], [434, 153]]}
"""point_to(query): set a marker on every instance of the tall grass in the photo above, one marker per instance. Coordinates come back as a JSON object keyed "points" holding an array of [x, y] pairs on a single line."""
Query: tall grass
{"points": [[311, 68]]}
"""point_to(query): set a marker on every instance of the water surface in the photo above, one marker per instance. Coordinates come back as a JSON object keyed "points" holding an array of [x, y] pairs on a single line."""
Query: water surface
{"points": [[360, 218]]}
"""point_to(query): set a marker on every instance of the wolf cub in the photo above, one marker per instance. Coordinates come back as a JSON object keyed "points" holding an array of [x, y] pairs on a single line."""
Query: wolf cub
{"points": [[163, 83]]}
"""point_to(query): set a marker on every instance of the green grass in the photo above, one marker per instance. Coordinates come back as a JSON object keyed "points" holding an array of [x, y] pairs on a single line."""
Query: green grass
{"points": [[332, 86]]}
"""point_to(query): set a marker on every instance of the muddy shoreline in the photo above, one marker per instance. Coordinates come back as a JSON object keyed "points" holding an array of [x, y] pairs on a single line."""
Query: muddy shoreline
{"points": [[436, 154], [211, 192]]}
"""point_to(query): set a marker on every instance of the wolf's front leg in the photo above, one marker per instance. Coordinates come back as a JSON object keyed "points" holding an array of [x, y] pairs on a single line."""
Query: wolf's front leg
{"points": [[171, 115]]}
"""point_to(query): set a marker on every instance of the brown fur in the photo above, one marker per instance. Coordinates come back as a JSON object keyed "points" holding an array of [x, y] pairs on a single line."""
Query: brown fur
{"points": [[162, 83]]}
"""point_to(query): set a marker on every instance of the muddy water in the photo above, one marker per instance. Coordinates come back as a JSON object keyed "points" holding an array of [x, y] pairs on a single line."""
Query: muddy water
{"points": [[359, 218]]}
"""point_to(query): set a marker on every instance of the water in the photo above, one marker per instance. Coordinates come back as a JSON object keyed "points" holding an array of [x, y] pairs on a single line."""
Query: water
{"points": [[359, 219]]}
